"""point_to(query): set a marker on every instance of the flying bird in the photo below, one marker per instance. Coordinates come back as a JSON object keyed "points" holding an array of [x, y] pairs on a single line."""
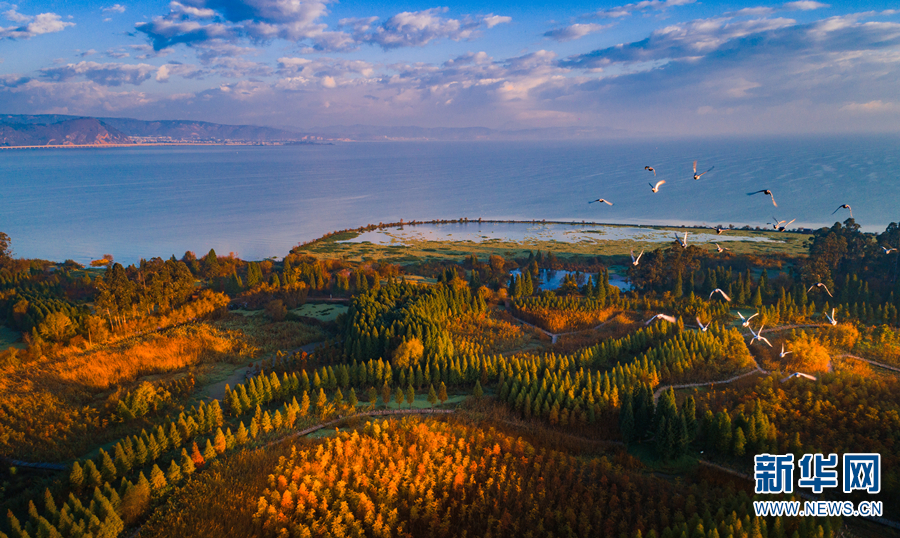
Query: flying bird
{"points": [[680, 242], [844, 206], [634, 261], [650, 168], [820, 285], [607, 202], [727, 298], [696, 175], [746, 321], [764, 191], [719, 230], [782, 228], [656, 187], [721, 249], [670, 319], [758, 336], [703, 327], [832, 318], [784, 353], [888, 250]]}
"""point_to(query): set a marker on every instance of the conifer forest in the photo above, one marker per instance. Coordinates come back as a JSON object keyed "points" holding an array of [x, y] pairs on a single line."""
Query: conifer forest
{"points": [[448, 396]]}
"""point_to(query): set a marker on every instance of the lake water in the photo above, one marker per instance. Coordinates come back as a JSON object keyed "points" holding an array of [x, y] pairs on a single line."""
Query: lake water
{"points": [[551, 279], [260, 201]]}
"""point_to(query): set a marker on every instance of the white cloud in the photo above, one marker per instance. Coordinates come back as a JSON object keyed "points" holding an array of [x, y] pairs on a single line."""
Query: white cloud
{"points": [[493, 20], [30, 26], [872, 107], [803, 5], [108, 74], [574, 31], [115, 8], [645, 5]]}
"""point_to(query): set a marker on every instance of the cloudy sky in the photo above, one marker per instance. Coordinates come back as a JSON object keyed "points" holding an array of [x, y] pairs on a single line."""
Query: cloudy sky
{"points": [[652, 67]]}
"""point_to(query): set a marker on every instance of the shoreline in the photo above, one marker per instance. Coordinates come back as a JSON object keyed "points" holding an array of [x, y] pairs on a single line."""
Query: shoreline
{"points": [[101, 146]]}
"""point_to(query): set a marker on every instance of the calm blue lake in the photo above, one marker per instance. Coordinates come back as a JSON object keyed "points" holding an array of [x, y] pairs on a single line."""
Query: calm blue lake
{"points": [[261, 201]]}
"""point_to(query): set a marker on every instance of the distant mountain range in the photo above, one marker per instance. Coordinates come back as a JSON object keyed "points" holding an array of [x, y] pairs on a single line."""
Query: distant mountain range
{"points": [[60, 130], [56, 130]]}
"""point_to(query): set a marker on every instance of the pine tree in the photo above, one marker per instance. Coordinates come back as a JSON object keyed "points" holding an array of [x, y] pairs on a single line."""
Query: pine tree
{"points": [[220, 441], [373, 396], [304, 404], [157, 478], [187, 464], [739, 442], [442, 393], [432, 396], [338, 398], [196, 456], [76, 477], [242, 434], [352, 400], [626, 419], [410, 395], [321, 401], [173, 475], [209, 452], [399, 396], [477, 392], [92, 477], [107, 467], [385, 394]]}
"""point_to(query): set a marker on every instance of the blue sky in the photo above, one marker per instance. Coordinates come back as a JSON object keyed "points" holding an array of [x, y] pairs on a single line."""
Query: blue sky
{"points": [[655, 67]]}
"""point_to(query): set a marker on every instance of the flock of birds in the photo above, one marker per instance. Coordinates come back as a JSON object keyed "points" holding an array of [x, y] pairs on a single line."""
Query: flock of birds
{"points": [[778, 225]]}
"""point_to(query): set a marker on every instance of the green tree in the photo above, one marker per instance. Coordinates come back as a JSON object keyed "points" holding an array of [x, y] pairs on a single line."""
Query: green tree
{"points": [[477, 392], [352, 400], [626, 419], [410, 395], [385, 394], [399, 396], [56, 327], [432, 396], [373, 396], [442, 393], [157, 478], [5, 251]]}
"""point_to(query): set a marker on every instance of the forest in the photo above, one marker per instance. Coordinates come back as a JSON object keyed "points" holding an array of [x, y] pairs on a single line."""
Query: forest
{"points": [[450, 396]]}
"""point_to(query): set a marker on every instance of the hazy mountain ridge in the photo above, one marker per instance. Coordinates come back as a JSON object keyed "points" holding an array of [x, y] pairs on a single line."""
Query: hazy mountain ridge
{"points": [[57, 129], [69, 132]]}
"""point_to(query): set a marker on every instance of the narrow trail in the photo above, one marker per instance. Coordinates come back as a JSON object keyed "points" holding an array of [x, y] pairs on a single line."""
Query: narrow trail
{"points": [[555, 336], [876, 363]]}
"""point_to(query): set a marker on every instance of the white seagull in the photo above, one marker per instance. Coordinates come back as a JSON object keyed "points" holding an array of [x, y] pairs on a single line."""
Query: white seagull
{"points": [[670, 319], [680, 242], [832, 318], [746, 321], [784, 353], [888, 250], [727, 298], [758, 336], [719, 230], [786, 224], [820, 285], [607, 202], [844, 206], [696, 175], [650, 168], [634, 261], [721, 249], [764, 191], [703, 327], [656, 187]]}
